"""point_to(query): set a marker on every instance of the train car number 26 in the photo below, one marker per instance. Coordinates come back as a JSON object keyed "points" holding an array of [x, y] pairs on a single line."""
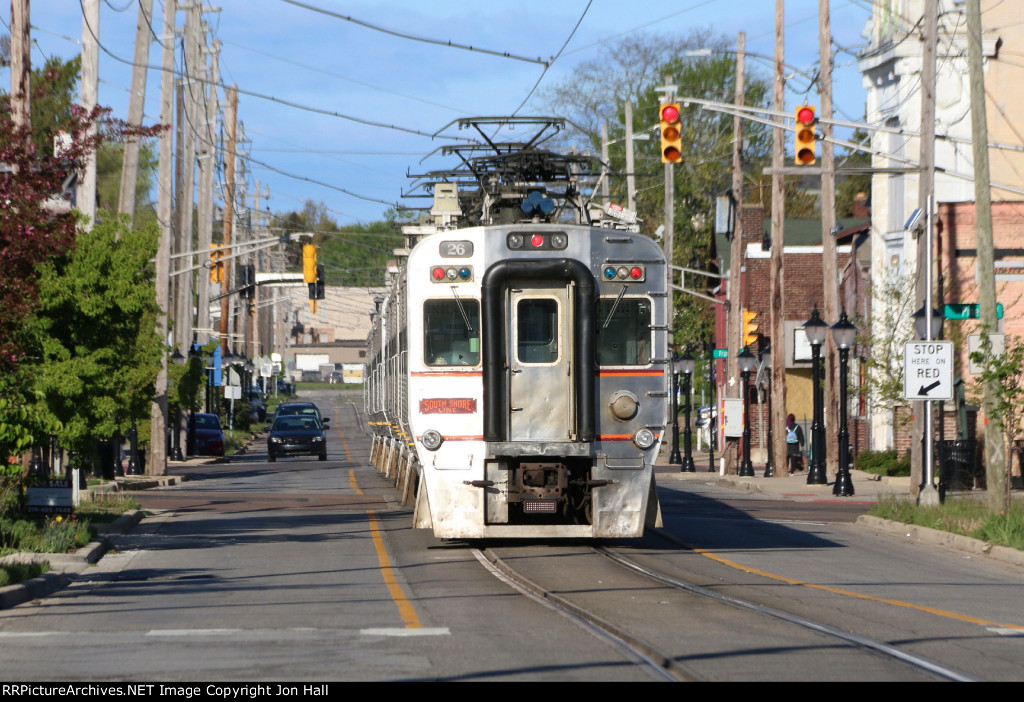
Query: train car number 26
{"points": [[456, 249]]}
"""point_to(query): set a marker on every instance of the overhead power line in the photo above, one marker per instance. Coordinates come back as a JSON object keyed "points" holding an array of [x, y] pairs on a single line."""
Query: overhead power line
{"points": [[437, 42]]}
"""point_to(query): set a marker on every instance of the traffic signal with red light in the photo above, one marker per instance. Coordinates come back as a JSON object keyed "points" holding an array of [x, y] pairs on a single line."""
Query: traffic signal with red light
{"points": [[806, 145], [749, 328], [671, 133]]}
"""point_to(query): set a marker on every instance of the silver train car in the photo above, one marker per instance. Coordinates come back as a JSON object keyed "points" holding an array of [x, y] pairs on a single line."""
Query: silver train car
{"points": [[517, 378]]}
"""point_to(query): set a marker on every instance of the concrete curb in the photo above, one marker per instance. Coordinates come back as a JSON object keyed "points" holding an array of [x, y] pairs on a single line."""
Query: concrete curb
{"points": [[937, 537], [63, 565]]}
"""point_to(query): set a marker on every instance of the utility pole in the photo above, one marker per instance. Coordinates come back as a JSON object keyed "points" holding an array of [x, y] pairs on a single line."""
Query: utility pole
{"points": [[995, 464], [86, 195], [207, 163], [630, 177], [670, 228], [734, 305], [229, 211], [777, 292], [829, 273], [21, 64], [136, 102], [922, 434], [186, 184], [158, 411], [605, 159]]}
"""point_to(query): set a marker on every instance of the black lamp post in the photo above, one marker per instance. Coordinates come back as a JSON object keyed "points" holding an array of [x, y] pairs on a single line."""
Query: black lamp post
{"points": [[178, 360], [843, 333], [746, 361], [674, 459], [815, 328], [134, 464], [765, 366], [687, 364]]}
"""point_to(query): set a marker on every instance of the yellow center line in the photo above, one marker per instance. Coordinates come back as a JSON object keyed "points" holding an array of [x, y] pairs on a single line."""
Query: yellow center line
{"points": [[849, 593], [405, 608], [352, 482]]}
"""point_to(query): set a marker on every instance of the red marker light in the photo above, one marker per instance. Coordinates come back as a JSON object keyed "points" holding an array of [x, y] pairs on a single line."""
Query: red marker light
{"points": [[636, 273], [438, 273], [537, 240]]}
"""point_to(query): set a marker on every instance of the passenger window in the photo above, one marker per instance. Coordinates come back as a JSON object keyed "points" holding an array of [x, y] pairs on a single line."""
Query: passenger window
{"points": [[451, 332], [626, 338], [537, 330]]}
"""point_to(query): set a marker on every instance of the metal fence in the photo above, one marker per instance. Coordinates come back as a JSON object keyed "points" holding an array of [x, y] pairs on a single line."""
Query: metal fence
{"points": [[959, 467]]}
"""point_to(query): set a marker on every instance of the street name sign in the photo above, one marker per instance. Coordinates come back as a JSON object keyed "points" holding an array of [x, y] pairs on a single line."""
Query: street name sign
{"points": [[928, 370]]}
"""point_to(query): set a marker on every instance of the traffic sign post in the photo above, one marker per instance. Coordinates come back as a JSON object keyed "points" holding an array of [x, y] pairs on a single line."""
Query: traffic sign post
{"points": [[928, 370]]}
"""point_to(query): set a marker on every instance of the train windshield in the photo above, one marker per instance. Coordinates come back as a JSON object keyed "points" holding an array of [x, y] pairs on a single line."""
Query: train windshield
{"points": [[626, 338], [451, 334]]}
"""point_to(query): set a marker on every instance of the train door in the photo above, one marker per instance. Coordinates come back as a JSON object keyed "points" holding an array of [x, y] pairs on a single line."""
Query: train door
{"points": [[539, 353]]}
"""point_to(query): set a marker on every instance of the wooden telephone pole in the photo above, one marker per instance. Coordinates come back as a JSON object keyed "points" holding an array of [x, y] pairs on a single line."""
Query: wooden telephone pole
{"points": [[230, 125], [164, 207], [136, 102], [777, 288]]}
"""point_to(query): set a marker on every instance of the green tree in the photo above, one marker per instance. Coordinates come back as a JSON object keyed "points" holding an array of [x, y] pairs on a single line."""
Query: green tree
{"points": [[1007, 370], [94, 333], [885, 338], [633, 69], [109, 163]]}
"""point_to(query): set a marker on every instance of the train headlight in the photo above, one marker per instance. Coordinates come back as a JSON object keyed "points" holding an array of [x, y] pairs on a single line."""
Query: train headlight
{"points": [[431, 440], [515, 241], [559, 241], [644, 439], [624, 406]]}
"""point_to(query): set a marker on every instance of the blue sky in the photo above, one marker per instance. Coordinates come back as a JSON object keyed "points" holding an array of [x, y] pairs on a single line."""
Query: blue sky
{"points": [[281, 49]]}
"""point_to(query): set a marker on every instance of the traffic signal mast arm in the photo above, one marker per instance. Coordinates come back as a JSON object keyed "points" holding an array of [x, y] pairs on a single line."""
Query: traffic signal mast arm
{"points": [[245, 247]]}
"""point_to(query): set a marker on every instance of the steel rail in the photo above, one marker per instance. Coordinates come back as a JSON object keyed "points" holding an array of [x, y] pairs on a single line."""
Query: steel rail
{"points": [[865, 642], [659, 664]]}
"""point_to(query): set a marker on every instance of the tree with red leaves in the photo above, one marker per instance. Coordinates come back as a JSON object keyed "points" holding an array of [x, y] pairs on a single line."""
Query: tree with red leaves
{"points": [[38, 226]]}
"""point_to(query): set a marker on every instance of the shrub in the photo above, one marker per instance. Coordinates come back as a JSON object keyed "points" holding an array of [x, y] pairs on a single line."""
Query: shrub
{"points": [[883, 463]]}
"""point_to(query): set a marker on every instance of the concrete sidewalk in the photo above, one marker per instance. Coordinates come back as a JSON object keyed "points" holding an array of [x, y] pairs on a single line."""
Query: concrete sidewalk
{"points": [[868, 489], [866, 486]]}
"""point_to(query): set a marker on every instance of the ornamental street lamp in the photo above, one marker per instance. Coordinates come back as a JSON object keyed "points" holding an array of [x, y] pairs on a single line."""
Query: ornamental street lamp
{"points": [[921, 323], [134, 464], [746, 361], [765, 368], [674, 459], [843, 333], [815, 328], [687, 364], [178, 360]]}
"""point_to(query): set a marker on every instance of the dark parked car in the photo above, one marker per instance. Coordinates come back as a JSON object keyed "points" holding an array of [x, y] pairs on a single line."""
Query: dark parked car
{"points": [[208, 436], [296, 435]]}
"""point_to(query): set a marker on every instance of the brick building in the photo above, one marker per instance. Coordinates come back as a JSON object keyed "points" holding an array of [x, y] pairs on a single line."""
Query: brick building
{"points": [[803, 284]]}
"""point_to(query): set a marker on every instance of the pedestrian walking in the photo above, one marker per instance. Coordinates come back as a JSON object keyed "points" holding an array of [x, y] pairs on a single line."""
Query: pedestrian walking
{"points": [[794, 445]]}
